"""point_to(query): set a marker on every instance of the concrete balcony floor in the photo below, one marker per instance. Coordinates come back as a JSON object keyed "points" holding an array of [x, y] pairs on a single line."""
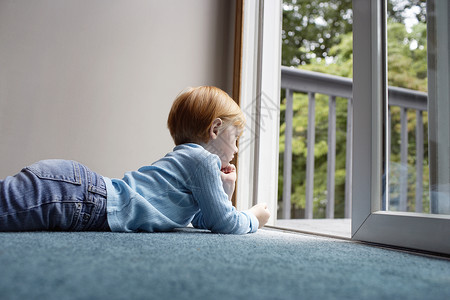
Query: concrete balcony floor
{"points": [[339, 228]]}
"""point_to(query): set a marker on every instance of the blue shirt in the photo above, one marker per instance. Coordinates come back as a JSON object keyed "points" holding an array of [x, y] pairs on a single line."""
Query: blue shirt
{"points": [[181, 188]]}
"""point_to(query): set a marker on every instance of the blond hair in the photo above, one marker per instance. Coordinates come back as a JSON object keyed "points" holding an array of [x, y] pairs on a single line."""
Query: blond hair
{"points": [[194, 111]]}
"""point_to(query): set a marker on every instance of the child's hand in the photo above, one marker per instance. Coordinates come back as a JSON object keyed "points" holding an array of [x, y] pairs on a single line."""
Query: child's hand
{"points": [[228, 176], [261, 213]]}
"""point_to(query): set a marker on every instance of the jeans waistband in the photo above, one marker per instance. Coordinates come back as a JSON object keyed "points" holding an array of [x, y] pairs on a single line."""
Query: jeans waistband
{"points": [[96, 185], [95, 182]]}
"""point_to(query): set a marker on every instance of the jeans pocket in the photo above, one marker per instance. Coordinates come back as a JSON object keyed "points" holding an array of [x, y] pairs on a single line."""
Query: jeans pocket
{"points": [[58, 170]]}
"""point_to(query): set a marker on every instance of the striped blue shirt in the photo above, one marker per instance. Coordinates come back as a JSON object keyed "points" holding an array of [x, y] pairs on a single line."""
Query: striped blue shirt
{"points": [[181, 188]]}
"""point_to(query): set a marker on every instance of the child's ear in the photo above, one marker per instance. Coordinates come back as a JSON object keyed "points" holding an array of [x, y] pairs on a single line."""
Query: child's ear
{"points": [[214, 129]]}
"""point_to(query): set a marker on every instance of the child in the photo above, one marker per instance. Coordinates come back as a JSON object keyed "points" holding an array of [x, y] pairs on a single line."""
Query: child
{"points": [[192, 184]]}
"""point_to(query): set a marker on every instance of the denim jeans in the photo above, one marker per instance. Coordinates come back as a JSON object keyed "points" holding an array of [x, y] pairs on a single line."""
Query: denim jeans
{"points": [[53, 195]]}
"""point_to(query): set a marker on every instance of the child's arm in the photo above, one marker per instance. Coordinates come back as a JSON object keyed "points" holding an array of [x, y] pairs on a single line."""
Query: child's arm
{"points": [[216, 211], [197, 221], [228, 176], [259, 210]]}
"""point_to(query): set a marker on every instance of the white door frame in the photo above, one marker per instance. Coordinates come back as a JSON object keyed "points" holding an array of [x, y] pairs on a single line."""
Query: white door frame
{"points": [[369, 223], [259, 99]]}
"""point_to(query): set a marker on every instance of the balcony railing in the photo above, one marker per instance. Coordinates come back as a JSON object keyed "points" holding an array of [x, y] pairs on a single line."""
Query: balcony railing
{"points": [[312, 83]]}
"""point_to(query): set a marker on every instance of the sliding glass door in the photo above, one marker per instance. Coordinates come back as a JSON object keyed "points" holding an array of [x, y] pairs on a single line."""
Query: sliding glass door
{"points": [[401, 92]]}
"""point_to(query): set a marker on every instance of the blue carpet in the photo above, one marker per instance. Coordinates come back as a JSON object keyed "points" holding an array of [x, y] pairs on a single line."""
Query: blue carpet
{"points": [[190, 264]]}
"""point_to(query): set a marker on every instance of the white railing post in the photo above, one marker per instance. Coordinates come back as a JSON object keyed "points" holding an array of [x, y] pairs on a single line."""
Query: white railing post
{"points": [[331, 156], [310, 156], [287, 163], [349, 160], [403, 202], [419, 161]]}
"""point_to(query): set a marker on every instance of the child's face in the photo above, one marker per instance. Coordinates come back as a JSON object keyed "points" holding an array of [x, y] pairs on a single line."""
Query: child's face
{"points": [[224, 145]]}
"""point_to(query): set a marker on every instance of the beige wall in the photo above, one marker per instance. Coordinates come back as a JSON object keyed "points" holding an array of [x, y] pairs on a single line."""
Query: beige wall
{"points": [[93, 80]]}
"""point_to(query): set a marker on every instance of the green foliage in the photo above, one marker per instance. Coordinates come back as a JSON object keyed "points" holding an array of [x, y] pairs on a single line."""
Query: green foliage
{"points": [[312, 27], [396, 10], [407, 56], [305, 44]]}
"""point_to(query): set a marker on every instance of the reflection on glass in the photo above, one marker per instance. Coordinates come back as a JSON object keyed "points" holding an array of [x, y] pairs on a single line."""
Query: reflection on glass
{"points": [[418, 104], [439, 106]]}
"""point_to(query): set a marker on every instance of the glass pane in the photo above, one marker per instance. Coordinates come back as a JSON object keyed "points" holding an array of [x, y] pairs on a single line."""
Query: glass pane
{"points": [[439, 106], [418, 107]]}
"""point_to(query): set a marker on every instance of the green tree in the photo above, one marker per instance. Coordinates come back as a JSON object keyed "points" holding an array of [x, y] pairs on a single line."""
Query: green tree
{"points": [[407, 56], [312, 27], [397, 9]]}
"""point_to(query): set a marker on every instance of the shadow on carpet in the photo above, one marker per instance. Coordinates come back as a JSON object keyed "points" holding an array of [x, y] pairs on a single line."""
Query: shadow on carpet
{"points": [[192, 264]]}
